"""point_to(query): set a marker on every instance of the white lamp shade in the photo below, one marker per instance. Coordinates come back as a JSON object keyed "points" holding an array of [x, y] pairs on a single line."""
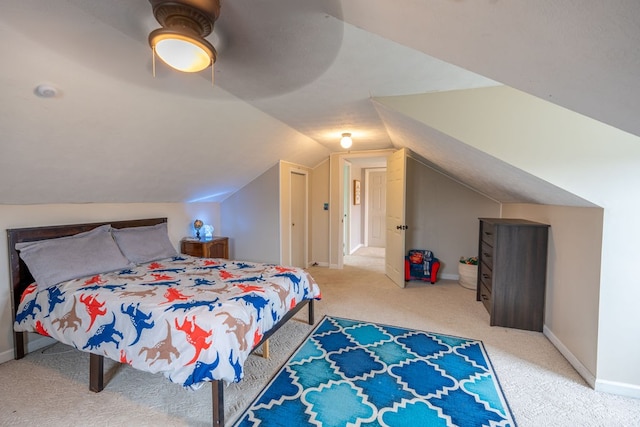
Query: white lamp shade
{"points": [[182, 51], [346, 141]]}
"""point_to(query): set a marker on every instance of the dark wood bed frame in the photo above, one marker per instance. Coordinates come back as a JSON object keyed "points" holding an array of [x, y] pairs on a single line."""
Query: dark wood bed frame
{"points": [[21, 278]]}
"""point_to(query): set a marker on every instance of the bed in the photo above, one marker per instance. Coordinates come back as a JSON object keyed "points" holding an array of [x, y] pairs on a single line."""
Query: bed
{"points": [[196, 320]]}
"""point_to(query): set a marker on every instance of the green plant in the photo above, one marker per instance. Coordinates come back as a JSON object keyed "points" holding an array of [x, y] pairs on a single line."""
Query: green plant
{"points": [[471, 260]]}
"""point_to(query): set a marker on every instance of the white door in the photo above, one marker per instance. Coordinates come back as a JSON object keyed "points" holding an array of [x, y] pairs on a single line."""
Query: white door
{"points": [[298, 220], [395, 223], [376, 208]]}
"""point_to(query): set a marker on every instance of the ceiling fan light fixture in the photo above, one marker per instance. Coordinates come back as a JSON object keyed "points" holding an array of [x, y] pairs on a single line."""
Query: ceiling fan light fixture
{"points": [[181, 43], [346, 141], [181, 51]]}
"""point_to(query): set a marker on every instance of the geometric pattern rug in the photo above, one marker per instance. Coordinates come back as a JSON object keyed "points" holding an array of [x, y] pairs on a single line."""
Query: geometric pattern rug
{"points": [[354, 373]]}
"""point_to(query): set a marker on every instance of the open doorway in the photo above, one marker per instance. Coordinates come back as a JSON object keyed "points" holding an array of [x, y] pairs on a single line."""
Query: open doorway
{"points": [[365, 210], [341, 200]]}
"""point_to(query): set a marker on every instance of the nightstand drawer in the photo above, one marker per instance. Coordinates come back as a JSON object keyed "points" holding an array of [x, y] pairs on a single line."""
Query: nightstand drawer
{"points": [[217, 247], [196, 249]]}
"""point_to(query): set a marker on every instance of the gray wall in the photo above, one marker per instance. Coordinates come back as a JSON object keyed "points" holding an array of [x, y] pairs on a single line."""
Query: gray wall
{"points": [[442, 216], [251, 219], [319, 222]]}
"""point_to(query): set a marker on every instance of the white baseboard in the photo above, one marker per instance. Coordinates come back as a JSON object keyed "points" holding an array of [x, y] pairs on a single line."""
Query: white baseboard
{"points": [[34, 344], [5, 356], [449, 277], [573, 361], [614, 387], [604, 386], [355, 249]]}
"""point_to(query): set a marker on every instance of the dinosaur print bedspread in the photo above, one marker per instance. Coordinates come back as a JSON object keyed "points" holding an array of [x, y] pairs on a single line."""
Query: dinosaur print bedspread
{"points": [[193, 319]]}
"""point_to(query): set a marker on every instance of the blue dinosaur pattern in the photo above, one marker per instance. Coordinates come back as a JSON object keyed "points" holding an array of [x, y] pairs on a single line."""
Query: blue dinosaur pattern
{"points": [[139, 319]]}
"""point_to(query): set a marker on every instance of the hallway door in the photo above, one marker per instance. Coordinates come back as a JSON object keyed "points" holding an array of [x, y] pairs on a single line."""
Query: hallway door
{"points": [[395, 222], [376, 187]]}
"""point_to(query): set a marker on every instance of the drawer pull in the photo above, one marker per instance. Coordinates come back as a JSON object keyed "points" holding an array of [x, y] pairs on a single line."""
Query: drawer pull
{"points": [[488, 233], [484, 297], [485, 275], [488, 255]]}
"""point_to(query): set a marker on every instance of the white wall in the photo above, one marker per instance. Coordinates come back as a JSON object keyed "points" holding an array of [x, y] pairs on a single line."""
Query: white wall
{"points": [[573, 273], [251, 219], [180, 217], [585, 157]]}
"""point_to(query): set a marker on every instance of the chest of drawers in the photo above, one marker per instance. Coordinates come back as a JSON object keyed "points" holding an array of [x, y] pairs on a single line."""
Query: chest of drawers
{"points": [[512, 271]]}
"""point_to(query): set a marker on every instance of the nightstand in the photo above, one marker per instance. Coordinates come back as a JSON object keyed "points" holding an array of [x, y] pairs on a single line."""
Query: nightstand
{"points": [[216, 247]]}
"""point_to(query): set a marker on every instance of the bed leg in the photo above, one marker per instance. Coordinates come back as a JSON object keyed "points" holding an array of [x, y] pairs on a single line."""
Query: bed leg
{"points": [[19, 350], [311, 315], [96, 372], [217, 400]]}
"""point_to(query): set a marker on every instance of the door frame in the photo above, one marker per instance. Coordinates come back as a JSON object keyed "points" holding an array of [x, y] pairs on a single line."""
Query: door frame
{"points": [[336, 200]]}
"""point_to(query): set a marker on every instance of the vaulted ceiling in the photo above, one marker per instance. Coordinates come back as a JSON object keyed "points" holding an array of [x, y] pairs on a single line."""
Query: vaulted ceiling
{"points": [[291, 76]]}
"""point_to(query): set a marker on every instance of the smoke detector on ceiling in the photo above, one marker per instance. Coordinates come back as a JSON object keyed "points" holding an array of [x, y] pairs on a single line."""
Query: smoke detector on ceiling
{"points": [[45, 91]]}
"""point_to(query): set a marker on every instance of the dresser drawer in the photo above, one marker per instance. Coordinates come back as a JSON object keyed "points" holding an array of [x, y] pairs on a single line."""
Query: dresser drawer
{"points": [[486, 275], [485, 297], [487, 255], [488, 233]]}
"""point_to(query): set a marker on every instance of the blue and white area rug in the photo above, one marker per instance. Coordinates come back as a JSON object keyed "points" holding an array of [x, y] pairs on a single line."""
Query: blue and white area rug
{"points": [[353, 373]]}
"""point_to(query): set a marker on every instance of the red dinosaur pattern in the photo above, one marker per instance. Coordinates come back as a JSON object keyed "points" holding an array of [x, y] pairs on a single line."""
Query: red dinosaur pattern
{"points": [[94, 308], [257, 337], [40, 329], [30, 289], [158, 277], [192, 319], [251, 288], [174, 294], [196, 336], [123, 357], [95, 280], [224, 275]]}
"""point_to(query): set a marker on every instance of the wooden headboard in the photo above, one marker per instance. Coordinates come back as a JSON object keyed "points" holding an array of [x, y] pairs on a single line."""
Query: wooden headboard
{"points": [[20, 277]]}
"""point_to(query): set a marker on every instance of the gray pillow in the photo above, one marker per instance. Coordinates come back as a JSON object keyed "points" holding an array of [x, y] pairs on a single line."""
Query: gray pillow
{"points": [[85, 254], [144, 244]]}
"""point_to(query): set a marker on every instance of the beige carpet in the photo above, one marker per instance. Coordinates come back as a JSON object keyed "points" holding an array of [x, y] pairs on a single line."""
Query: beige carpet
{"points": [[50, 387]]}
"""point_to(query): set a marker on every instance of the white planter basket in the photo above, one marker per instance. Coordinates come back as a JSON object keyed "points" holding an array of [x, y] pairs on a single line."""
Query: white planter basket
{"points": [[468, 275]]}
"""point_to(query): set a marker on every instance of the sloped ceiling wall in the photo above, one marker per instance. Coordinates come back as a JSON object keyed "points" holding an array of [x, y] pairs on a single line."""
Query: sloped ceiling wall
{"points": [[291, 76]]}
